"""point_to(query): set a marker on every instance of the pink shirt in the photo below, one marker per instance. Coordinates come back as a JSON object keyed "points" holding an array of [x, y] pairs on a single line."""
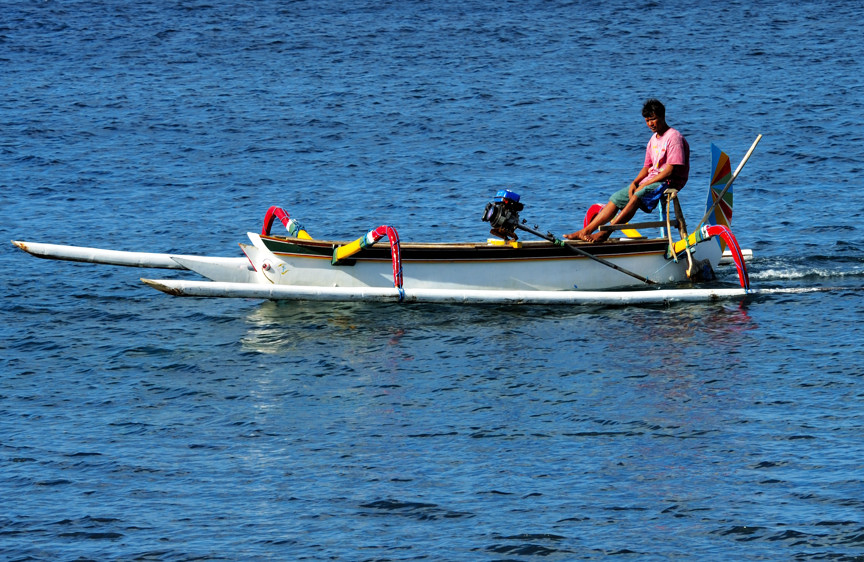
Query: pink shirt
{"points": [[671, 148]]}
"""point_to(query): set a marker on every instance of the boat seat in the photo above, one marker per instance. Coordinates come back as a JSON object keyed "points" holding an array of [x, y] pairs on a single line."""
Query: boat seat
{"points": [[676, 220], [636, 225]]}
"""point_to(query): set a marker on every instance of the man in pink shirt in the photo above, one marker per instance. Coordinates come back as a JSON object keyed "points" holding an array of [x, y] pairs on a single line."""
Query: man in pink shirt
{"points": [[667, 165]]}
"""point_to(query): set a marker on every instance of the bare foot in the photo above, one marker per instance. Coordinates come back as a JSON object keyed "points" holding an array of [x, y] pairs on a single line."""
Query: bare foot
{"points": [[578, 235], [601, 236]]}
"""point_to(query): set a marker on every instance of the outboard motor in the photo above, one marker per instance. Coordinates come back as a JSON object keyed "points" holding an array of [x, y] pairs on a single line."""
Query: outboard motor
{"points": [[503, 214]]}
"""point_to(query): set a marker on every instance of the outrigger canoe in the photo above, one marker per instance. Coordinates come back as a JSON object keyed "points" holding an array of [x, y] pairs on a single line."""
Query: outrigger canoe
{"points": [[296, 266]]}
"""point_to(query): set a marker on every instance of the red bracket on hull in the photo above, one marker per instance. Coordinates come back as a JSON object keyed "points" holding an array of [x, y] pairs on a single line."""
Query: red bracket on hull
{"points": [[732, 244], [393, 236], [273, 213]]}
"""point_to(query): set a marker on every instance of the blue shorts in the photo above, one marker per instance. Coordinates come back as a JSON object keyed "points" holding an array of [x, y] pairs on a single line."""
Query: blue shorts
{"points": [[649, 196]]}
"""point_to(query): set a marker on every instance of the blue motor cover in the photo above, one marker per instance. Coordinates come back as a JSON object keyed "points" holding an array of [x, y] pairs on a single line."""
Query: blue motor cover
{"points": [[506, 195]]}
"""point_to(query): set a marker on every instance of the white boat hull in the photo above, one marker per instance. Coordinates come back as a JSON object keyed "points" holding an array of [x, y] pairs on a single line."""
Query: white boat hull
{"points": [[560, 272]]}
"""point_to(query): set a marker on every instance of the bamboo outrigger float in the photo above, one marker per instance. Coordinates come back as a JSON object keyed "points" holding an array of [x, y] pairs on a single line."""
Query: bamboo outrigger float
{"points": [[504, 270]]}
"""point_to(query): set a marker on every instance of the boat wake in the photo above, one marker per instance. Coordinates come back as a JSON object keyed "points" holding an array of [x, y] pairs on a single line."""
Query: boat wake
{"points": [[801, 290], [792, 274], [816, 268]]}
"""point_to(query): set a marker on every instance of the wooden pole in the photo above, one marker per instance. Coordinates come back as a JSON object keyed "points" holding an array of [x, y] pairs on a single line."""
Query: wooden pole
{"points": [[581, 252]]}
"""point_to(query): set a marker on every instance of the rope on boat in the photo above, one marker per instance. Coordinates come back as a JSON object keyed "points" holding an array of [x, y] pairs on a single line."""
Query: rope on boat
{"points": [[672, 198]]}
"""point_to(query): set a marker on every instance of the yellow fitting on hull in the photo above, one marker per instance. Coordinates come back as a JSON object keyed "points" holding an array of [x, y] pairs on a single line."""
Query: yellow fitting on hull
{"points": [[348, 249], [500, 242], [692, 240]]}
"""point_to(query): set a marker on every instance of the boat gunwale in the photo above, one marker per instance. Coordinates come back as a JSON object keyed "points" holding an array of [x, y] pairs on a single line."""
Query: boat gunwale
{"points": [[467, 251]]}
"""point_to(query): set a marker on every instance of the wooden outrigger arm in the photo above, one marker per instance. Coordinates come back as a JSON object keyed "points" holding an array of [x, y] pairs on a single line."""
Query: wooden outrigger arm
{"points": [[341, 253]]}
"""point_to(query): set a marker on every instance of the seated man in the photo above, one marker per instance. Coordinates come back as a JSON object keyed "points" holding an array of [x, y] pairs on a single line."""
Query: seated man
{"points": [[667, 165]]}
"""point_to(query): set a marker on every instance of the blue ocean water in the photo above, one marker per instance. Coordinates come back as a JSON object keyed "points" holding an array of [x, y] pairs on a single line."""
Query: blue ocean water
{"points": [[134, 425]]}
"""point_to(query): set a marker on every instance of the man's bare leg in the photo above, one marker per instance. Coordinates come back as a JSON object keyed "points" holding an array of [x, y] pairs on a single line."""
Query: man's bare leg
{"points": [[623, 217], [606, 214]]}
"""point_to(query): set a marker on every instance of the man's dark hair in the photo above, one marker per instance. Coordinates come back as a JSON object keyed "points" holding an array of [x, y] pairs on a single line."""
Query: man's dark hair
{"points": [[655, 108]]}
